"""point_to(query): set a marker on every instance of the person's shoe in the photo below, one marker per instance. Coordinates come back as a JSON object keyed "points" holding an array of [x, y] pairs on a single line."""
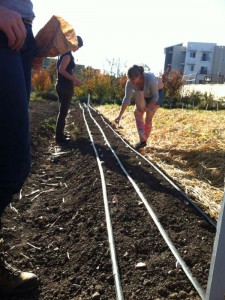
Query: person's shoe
{"points": [[140, 145], [66, 136], [62, 140], [13, 281]]}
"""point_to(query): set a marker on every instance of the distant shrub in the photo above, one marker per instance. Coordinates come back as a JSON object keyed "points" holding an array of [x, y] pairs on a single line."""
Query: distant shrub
{"points": [[47, 96], [36, 97], [195, 100], [49, 124]]}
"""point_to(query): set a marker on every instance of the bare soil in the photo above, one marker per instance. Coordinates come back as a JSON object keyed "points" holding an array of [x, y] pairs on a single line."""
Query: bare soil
{"points": [[58, 228]]}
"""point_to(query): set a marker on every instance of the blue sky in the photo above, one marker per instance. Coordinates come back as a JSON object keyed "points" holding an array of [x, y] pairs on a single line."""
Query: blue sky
{"points": [[135, 31]]}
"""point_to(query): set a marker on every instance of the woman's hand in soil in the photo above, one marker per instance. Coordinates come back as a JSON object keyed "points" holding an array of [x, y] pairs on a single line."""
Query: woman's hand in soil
{"points": [[117, 120], [12, 25]]}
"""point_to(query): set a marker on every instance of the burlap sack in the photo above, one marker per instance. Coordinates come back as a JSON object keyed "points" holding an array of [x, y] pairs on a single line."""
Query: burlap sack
{"points": [[55, 38]]}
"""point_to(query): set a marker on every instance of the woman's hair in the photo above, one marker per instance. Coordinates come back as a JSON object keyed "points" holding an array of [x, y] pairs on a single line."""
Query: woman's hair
{"points": [[135, 71], [80, 41]]}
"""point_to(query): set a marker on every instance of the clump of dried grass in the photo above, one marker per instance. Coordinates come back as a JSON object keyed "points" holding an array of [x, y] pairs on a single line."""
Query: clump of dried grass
{"points": [[189, 146]]}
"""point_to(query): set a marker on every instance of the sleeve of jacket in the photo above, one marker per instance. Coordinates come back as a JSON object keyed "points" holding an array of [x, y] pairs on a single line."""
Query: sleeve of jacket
{"points": [[128, 93], [153, 86]]}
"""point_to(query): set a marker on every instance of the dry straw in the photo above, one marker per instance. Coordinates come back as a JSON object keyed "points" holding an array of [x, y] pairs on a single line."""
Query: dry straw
{"points": [[189, 146]]}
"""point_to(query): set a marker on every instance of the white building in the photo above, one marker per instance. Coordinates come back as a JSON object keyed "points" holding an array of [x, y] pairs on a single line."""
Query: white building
{"points": [[199, 59], [199, 62]]}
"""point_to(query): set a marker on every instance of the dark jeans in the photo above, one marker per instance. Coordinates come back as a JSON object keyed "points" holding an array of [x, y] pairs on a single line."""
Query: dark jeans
{"points": [[161, 97], [15, 86], [65, 94]]}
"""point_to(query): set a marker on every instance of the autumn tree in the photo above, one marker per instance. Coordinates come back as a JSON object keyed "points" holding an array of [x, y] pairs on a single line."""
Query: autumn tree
{"points": [[87, 76], [52, 69], [41, 80], [121, 82], [103, 86], [173, 84], [116, 69]]}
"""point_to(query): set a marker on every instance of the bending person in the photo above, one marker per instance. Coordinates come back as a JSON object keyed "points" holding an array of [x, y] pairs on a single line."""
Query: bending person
{"points": [[65, 88], [145, 86]]}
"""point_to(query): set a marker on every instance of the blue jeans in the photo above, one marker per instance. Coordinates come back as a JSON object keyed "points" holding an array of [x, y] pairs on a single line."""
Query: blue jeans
{"points": [[161, 97], [15, 86]]}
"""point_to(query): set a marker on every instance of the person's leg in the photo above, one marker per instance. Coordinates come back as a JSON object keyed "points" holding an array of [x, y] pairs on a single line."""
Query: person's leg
{"points": [[27, 53], [65, 97], [150, 112], [14, 127], [139, 115], [15, 78]]}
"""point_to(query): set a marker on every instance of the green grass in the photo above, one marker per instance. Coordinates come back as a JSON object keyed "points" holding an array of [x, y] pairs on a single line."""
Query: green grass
{"points": [[49, 124]]}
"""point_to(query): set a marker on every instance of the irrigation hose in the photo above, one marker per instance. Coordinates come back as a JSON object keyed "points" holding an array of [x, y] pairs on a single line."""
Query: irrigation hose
{"points": [[118, 286], [196, 207], [165, 236]]}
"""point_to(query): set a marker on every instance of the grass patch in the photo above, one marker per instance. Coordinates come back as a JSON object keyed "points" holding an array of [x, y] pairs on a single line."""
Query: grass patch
{"points": [[49, 125]]}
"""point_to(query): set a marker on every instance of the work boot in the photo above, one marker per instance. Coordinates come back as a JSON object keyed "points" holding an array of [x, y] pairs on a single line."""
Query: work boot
{"points": [[62, 140], [13, 281], [140, 145], [66, 136]]}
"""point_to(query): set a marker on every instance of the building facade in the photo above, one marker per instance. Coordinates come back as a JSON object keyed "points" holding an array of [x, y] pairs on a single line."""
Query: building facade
{"points": [[175, 57], [198, 62]]}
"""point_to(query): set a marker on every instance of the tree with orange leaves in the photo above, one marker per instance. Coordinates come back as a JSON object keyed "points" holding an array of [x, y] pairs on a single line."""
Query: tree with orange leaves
{"points": [[173, 83], [41, 80]]}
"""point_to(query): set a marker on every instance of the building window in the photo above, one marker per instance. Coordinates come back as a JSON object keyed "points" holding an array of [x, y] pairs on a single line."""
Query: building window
{"points": [[192, 67], [205, 57], [204, 70], [192, 54]]}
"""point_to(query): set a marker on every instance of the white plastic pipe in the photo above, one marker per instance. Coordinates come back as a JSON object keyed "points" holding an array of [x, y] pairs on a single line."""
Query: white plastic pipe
{"points": [[165, 236], [118, 286], [200, 211]]}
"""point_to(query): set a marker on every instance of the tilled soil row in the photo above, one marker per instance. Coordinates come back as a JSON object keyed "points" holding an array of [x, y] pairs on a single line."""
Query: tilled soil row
{"points": [[136, 236], [61, 234], [58, 229]]}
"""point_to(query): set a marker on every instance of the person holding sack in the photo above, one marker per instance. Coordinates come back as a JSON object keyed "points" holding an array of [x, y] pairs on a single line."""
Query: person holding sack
{"points": [[17, 48], [65, 89], [146, 88]]}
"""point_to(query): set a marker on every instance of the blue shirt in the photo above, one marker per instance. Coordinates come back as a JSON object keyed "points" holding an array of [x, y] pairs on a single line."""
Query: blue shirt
{"points": [[23, 7]]}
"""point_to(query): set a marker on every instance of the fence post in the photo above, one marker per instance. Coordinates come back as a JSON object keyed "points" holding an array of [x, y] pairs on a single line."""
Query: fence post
{"points": [[216, 281]]}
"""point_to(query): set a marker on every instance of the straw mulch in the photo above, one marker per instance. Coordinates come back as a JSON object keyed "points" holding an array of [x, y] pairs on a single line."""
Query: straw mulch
{"points": [[189, 146]]}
